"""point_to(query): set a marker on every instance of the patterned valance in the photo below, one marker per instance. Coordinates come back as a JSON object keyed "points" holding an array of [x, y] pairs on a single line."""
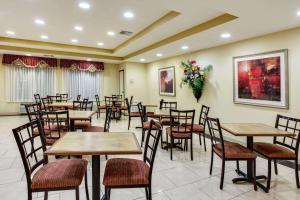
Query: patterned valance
{"points": [[28, 61], [90, 66]]}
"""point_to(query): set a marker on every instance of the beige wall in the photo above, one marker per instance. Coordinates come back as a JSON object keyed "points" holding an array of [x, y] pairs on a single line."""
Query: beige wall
{"points": [[135, 80], [218, 92], [110, 86]]}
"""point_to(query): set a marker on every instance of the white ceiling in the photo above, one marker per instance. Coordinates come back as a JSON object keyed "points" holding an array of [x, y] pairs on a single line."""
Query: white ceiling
{"points": [[256, 17]]}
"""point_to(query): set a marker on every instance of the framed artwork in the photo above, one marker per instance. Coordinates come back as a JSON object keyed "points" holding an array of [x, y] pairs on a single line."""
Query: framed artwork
{"points": [[262, 79], [166, 81]]}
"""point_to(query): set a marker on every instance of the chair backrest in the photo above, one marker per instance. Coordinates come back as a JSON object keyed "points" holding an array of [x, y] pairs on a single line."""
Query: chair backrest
{"points": [[107, 119], [108, 101], [152, 140], [97, 100], [45, 102], [55, 98], [58, 119], [117, 96], [32, 155], [87, 105], [32, 111], [178, 119], [78, 97], [64, 97], [77, 105], [167, 104], [203, 115], [215, 131], [291, 125], [37, 98], [142, 113]]}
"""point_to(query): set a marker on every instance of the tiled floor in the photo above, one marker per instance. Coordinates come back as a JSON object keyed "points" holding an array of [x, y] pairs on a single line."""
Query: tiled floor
{"points": [[180, 179]]}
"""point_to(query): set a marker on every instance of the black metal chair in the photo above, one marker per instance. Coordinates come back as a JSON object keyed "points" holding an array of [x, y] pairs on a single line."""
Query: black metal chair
{"points": [[132, 173], [283, 148], [131, 114], [85, 106], [106, 126], [99, 106], [44, 176], [227, 151]]}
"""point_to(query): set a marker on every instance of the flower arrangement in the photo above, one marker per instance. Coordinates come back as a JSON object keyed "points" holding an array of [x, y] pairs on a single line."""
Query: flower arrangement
{"points": [[195, 76]]}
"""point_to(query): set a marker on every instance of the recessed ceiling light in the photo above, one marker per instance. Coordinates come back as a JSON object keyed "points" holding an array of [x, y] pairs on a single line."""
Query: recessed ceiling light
{"points": [[225, 35], [100, 44], [88, 59], [84, 5], [44, 37], [78, 28], [159, 55], [142, 59], [298, 13], [110, 33], [28, 54], [39, 21], [128, 15], [184, 47], [10, 33], [74, 40]]}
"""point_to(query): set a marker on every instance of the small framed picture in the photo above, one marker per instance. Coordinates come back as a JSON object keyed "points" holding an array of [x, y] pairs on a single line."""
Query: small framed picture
{"points": [[166, 77], [262, 79]]}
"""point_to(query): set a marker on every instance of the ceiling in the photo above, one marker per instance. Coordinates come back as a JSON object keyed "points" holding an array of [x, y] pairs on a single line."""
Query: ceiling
{"points": [[253, 18]]}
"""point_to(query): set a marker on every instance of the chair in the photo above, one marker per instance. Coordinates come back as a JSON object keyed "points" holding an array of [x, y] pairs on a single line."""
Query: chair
{"points": [[200, 127], [227, 151], [131, 114], [145, 124], [78, 98], [45, 103], [57, 122], [44, 176], [99, 106], [110, 102], [179, 131], [77, 105], [85, 106], [132, 173], [64, 97], [37, 98], [283, 148], [106, 124]]}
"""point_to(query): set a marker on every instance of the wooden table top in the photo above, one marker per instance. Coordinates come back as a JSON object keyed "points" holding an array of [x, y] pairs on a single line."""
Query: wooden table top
{"points": [[77, 115], [253, 129], [83, 143], [61, 104]]}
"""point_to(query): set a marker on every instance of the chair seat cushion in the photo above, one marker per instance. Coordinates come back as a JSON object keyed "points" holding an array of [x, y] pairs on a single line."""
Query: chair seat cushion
{"points": [[273, 150], [123, 108], [65, 173], [181, 134], [125, 172], [197, 128], [165, 121], [146, 125], [102, 107], [233, 151], [82, 124], [94, 129], [134, 114]]}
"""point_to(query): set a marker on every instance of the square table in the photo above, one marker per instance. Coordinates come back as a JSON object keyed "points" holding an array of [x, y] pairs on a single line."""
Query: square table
{"points": [[66, 105], [96, 144], [79, 115], [251, 130]]}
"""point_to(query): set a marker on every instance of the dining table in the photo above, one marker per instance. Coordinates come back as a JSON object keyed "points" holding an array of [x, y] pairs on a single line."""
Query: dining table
{"points": [[65, 105], [251, 130], [95, 144], [79, 115]]}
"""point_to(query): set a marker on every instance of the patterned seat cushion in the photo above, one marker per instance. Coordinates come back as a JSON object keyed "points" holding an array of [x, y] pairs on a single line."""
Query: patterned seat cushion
{"points": [[273, 150], [181, 134], [65, 173], [82, 124], [94, 129], [234, 151], [134, 114], [197, 128], [126, 172], [146, 125]]}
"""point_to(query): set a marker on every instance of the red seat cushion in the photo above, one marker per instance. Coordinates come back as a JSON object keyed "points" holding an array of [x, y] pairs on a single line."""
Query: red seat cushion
{"points": [[102, 107], [197, 128], [82, 124], [146, 125], [123, 108], [59, 174], [273, 150], [94, 129], [134, 114], [181, 134], [126, 172], [234, 151]]}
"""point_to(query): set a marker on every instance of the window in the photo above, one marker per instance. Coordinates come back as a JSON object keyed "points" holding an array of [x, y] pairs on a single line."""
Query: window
{"points": [[85, 83], [23, 82]]}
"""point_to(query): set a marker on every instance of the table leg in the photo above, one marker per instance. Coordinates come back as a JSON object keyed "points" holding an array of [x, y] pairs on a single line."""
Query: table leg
{"points": [[248, 177], [72, 124], [96, 177]]}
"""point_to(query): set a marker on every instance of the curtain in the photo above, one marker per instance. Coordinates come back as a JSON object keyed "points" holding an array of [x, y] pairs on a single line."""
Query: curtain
{"points": [[22, 82], [85, 83]]}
